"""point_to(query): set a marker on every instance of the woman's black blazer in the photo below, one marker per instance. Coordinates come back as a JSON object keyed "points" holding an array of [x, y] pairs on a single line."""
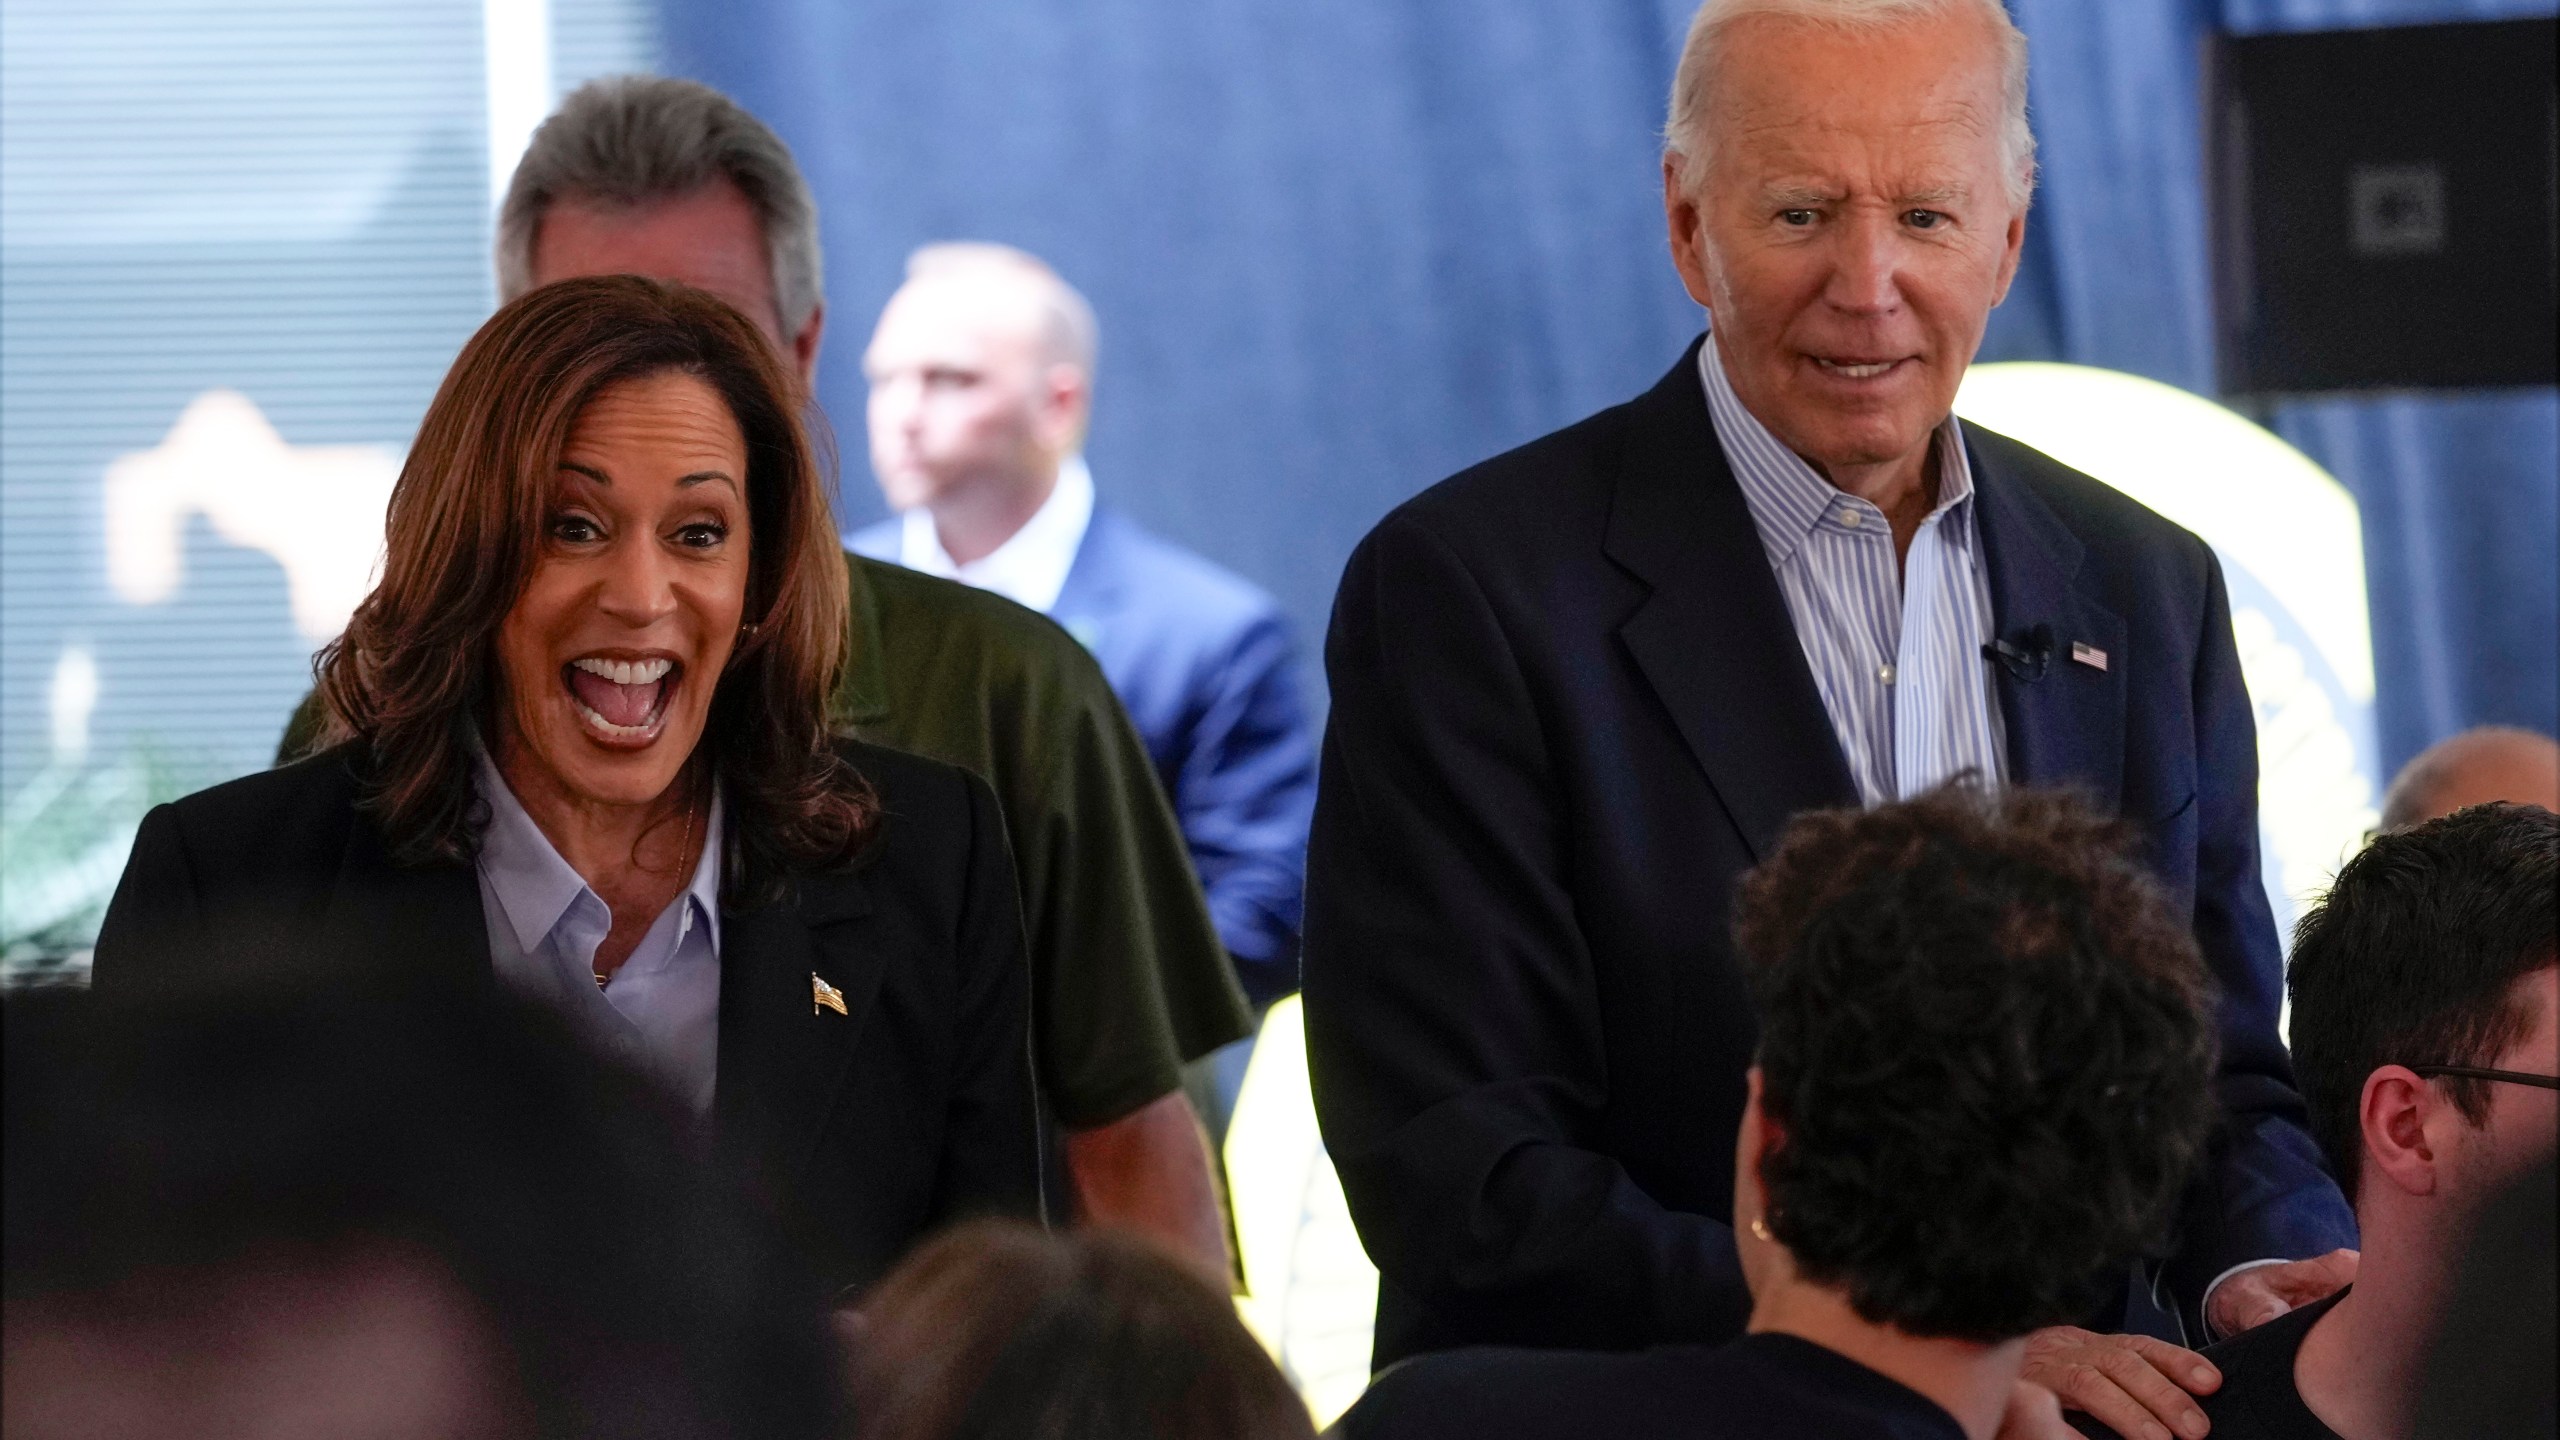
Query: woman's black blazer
{"points": [[864, 1130]]}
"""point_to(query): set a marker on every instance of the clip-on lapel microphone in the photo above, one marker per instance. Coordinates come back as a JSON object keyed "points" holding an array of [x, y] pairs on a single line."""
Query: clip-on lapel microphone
{"points": [[2025, 662]]}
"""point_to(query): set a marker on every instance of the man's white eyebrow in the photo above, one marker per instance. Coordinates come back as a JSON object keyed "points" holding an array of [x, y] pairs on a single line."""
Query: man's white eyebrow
{"points": [[1944, 194], [1797, 194]]}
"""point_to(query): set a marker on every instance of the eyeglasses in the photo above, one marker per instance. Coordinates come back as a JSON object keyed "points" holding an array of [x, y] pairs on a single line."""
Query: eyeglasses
{"points": [[2474, 1072]]}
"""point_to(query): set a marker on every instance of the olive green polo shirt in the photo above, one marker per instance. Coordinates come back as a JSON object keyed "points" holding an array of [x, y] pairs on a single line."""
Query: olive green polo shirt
{"points": [[1128, 978]]}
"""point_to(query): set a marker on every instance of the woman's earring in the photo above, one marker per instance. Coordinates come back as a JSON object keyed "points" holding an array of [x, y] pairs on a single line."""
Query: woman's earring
{"points": [[1760, 1228]]}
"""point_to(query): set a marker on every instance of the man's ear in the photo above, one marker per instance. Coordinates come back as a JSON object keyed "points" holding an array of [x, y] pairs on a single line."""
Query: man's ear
{"points": [[2395, 1114], [1681, 215], [2014, 242], [1066, 404], [804, 347]]}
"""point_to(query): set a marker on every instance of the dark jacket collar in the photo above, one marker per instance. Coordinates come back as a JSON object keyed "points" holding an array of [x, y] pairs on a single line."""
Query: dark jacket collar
{"points": [[2065, 719], [1717, 644], [782, 1056], [1095, 580], [1714, 639]]}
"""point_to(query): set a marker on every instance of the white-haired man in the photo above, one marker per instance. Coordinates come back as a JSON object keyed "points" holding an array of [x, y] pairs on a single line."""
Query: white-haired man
{"points": [[981, 372], [663, 177], [1578, 689]]}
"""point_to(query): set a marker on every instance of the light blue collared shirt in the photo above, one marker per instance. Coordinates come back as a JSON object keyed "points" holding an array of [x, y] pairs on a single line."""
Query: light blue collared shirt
{"points": [[662, 1010], [1896, 649]]}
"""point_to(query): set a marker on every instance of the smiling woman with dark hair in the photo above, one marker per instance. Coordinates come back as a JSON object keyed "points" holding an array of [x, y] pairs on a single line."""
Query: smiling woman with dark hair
{"points": [[577, 742]]}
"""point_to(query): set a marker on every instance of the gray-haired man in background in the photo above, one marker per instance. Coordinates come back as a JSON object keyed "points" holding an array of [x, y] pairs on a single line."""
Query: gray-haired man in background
{"points": [[668, 178]]}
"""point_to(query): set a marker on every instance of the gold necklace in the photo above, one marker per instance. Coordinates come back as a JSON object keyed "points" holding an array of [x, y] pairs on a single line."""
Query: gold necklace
{"points": [[684, 850]]}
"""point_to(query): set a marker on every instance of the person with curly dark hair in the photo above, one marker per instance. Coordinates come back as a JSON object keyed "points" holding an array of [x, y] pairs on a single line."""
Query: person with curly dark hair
{"points": [[1983, 1076], [2426, 1030]]}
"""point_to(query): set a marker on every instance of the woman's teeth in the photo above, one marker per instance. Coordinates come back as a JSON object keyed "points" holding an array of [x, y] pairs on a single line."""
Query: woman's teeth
{"points": [[626, 672], [623, 700], [619, 732]]}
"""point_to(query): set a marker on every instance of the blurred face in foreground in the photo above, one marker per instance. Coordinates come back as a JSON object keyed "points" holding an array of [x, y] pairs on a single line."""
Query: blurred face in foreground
{"points": [[610, 656], [967, 397], [1849, 226]]}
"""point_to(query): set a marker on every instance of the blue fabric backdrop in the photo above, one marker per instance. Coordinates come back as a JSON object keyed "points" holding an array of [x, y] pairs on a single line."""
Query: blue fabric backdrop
{"points": [[1341, 248]]}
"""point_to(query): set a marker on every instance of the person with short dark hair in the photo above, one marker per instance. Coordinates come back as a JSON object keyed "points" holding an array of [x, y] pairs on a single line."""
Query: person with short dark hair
{"points": [[997, 1331], [578, 745], [290, 1210], [2426, 1032], [1983, 1076]]}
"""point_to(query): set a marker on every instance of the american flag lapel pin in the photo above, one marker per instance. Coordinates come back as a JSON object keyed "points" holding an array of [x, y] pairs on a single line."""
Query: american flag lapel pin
{"points": [[823, 996], [2089, 655]]}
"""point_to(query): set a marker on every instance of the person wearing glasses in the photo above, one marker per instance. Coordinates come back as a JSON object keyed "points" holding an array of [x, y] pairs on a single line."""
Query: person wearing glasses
{"points": [[2426, 1034]]}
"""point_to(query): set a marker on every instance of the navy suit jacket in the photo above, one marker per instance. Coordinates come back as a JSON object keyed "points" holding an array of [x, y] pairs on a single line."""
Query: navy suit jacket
{"points": [[1203, 662], [1569, 711]]}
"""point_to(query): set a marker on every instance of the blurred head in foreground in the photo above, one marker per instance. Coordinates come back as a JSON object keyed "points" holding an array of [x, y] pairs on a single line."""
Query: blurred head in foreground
{"points": [[1983, 1071], [2493, 762], [2426, 1034], [260, 1213], [998, 1331]]}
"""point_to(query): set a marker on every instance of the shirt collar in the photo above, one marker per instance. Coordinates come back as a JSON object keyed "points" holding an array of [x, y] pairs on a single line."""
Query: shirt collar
{"points": [[535, 887], [1031, 566], [1786, 495]]}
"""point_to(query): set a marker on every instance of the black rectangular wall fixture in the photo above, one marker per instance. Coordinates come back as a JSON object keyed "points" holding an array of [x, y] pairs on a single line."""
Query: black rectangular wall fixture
{"points": [[2385, 207]]}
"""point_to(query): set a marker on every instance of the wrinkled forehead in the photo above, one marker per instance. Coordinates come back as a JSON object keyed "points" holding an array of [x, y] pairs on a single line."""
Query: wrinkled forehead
{"points": [[1791, 94], [709, 239]]}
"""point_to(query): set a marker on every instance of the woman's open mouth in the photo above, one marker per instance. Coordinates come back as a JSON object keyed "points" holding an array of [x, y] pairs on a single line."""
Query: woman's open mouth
{"points": [[622, 703]]}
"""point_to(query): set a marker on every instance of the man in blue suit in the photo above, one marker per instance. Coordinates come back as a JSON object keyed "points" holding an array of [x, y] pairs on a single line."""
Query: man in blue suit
{"points": [[1579, 689], [981, 374]]}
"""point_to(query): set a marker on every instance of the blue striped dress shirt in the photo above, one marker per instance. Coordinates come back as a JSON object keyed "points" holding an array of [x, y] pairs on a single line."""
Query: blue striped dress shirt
{"points": [[1896, 649]]}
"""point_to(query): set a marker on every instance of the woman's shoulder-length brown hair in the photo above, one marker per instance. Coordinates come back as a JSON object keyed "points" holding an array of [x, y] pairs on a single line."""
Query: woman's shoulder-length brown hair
{"points": [[416, 671]]}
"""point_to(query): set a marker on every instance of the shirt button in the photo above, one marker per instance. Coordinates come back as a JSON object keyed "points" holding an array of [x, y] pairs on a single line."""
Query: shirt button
{"points": [[1885, 674], [1852, 518]]}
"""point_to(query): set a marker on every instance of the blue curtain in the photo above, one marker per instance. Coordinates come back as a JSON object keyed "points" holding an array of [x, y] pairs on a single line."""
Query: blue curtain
{"points": [[1341, 248]]}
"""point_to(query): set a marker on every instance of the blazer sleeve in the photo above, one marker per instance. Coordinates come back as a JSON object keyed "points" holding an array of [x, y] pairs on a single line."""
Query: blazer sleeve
{"points": [[155, 916], [2267, 1194], [1453, 1025], [1243, 797], [991, 1147]]}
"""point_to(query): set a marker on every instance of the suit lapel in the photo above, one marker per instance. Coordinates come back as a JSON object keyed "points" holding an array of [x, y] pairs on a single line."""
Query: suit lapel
{"points": [[2065, 726], [1091, 594], [783, 1055], [1714, 639]]}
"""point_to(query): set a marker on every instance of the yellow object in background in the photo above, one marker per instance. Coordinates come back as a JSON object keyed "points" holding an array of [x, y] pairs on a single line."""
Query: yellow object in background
{"points": [[1311, 1294]]}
